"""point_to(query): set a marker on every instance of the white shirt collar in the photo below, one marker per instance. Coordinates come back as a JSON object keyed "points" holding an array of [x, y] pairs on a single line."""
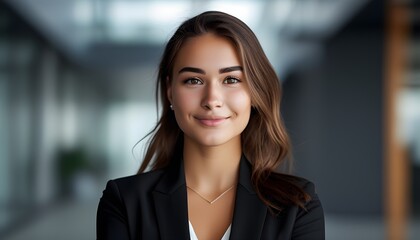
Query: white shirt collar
{"points": [[193, 236]]}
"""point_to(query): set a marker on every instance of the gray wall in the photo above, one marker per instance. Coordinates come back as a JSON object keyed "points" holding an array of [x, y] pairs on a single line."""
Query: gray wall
{"points": [[333, 112]]}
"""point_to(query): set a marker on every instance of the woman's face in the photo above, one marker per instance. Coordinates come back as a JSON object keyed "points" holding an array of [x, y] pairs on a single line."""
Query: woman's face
{"points": [[208, 91]]}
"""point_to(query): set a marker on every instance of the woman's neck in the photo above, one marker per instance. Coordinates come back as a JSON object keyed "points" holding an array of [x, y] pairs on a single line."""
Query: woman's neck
{"points": [[209, 169]]}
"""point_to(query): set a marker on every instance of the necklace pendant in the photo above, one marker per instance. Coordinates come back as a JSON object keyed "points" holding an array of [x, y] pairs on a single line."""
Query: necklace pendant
{"points": [[205, 199]]}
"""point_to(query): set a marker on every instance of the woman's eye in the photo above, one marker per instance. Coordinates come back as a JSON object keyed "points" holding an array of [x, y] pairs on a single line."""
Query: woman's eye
{"points": [[231, 80], [193, 81]]}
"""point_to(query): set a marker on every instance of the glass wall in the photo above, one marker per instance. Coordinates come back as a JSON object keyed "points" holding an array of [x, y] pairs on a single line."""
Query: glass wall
{"points": [[77, 94]]}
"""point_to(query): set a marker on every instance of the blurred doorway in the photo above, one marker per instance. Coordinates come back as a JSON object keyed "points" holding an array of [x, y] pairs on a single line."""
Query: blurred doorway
{"points": [[402, 117]]}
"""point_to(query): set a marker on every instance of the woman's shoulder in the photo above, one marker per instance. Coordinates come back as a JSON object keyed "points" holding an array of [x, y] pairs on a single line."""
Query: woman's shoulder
{"points": [[134, 183], [306, 185], [143, 177], [313, 205]]}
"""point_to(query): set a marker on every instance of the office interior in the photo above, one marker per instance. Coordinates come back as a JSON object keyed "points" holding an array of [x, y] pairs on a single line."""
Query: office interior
{"points": [[77, 82]]}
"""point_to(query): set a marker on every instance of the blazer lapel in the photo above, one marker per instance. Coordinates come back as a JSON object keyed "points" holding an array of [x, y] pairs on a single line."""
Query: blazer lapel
{"points": [[250, 212], [170, 197]]}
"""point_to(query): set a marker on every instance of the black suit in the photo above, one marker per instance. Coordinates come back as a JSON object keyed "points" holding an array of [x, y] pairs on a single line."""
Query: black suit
{"points": [[153, 205]]}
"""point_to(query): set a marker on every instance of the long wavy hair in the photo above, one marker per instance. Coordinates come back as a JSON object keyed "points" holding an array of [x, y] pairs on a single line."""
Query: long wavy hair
{"points": [[265, 142]]}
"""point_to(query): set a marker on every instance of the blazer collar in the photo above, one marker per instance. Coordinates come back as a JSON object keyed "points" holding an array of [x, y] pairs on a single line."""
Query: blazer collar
{"points": [[170, 196], [250, 212]]}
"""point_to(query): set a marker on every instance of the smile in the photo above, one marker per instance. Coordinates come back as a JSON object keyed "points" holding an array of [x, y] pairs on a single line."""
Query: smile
{"points": [[212, 122]]}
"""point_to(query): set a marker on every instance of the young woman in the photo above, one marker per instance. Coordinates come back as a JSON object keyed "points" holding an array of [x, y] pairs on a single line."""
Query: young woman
{"points": [[215, 150]]}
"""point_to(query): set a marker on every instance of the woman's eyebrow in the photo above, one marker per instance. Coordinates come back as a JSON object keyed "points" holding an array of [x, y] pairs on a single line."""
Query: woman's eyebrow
{"points": [[230, 69], [192, 69], [201, 71]]}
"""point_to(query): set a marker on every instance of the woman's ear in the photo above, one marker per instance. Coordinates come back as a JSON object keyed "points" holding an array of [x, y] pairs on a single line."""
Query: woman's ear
{"points": [[168, 89]]}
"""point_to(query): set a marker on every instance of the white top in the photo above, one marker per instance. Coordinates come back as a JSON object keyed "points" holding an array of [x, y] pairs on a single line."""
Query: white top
{"points": [[194, 236]]}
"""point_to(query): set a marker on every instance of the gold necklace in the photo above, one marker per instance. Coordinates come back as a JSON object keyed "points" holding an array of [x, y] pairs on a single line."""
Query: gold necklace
{"points": [[208, 201]]}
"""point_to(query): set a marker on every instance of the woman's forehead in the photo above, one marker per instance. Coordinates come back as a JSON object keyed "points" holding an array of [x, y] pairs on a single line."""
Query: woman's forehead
{"points": [[207, 51]]}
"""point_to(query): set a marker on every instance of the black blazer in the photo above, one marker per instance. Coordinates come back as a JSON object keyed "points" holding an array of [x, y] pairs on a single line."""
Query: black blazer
{"points": [[153, 205]]}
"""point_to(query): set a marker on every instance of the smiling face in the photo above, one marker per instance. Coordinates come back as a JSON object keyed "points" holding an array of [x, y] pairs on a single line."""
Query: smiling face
{"points": [[210, 97]]}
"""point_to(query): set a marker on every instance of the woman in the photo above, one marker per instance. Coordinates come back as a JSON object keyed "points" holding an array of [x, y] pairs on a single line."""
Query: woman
{"points": [[215, 150]]}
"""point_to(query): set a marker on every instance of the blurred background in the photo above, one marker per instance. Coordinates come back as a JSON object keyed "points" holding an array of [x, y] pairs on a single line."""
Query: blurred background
{"points": [[77, 94]]}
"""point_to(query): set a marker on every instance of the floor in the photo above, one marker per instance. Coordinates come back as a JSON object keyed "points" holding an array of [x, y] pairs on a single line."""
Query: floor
{"points": [[65, 222]]}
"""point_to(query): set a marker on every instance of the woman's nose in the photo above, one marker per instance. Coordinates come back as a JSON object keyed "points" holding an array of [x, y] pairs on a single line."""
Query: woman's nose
{"points": [[212, 97]]}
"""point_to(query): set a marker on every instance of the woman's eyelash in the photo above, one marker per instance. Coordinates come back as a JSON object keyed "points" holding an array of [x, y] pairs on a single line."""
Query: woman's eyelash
{"points": [[196, 80], [193, 80], [236, 79]]}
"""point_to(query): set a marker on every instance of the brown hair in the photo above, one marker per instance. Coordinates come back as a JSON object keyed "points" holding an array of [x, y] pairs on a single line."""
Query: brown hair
{"points": [[265, 142]]}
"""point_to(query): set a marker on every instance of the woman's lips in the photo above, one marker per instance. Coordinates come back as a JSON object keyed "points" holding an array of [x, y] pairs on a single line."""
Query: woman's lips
{"points": [[212, 122]]}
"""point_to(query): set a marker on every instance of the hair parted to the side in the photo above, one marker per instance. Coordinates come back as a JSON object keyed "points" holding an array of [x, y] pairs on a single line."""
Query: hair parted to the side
{"points": [[265, 142]]}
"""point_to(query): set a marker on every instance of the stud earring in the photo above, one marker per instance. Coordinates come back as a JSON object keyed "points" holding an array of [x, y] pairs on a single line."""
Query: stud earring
{"points": [[172, 107]]}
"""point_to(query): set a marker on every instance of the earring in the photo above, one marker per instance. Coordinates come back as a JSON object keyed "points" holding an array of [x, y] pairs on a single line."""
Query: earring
{"points": [[172, 107]]}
